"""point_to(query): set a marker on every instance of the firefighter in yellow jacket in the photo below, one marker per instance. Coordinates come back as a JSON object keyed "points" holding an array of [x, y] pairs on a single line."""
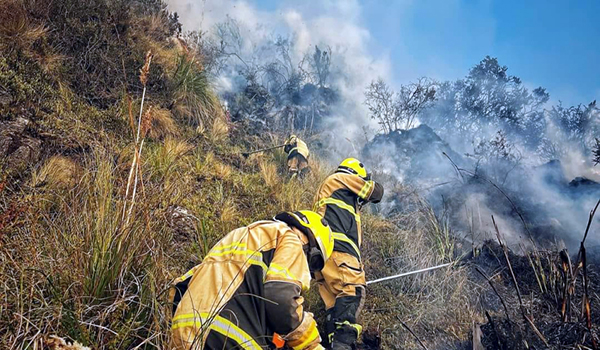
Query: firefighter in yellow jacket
{"points": [[249, 286], [342, 280], [298, 154]]}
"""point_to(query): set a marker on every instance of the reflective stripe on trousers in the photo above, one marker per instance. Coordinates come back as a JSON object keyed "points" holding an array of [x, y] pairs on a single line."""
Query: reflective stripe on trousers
{"points": [[205, 322]]}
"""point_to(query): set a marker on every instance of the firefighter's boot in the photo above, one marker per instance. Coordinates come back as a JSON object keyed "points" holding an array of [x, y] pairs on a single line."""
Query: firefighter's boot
{"points": [[344, 337]]}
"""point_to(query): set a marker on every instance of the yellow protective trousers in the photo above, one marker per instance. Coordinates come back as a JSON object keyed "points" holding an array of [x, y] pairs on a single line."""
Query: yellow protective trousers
{"points": [[342, 288]]}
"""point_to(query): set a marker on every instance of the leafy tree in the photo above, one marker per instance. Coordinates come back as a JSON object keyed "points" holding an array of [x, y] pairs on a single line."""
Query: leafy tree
{"points": [[488, 98], [577, 124], [497, 157]]}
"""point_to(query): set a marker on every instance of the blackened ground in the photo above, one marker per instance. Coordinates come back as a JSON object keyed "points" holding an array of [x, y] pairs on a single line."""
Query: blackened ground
{"points": [[541, 285]]}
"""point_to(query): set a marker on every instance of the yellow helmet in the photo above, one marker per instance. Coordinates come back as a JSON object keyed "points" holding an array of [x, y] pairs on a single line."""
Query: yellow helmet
{"points": [[316, 229], [353, 166]]}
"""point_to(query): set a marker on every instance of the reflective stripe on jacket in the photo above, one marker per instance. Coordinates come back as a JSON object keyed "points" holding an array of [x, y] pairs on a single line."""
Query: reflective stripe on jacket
{"points": [[246, 288], [337, 202]]}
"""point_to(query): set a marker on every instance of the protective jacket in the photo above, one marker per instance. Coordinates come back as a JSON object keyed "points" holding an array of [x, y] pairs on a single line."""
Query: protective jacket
{"points": [[337, 200], [247, 287], [295, 146], [342, 280]]}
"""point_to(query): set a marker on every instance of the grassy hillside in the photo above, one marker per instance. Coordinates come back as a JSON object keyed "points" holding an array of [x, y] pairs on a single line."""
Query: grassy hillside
{"points": [[82, 258], [120, 170]]}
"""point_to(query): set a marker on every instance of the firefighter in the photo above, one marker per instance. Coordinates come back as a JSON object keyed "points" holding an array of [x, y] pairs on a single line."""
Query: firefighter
{"points": [[248, 287], [298, 154], [342, 280]]}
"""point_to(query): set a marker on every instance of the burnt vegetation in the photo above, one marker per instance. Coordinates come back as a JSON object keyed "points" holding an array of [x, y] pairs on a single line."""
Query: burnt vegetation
{"points": [[122, 137]]}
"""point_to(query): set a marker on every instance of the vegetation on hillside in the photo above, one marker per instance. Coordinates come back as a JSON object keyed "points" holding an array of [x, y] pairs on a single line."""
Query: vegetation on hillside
{"points": [[120, 169]]}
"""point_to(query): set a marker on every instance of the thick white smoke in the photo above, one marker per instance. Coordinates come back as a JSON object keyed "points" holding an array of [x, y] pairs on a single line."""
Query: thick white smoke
{"points": [[334, 24]]}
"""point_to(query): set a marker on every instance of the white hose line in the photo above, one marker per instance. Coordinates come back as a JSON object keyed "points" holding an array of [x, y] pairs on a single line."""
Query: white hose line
{"points": [[408, 273]]}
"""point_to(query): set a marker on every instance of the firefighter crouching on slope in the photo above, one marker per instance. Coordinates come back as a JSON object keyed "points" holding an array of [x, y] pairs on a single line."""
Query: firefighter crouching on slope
{"points": [[249, 286], [342, 280], [298, 154]]}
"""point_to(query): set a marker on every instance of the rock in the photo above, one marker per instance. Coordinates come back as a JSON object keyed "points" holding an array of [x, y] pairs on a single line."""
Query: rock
{"points": [[10, 132], [54, 342], [181, 221], [583, 182], [417, 154], [17, 148], [27, 152]]}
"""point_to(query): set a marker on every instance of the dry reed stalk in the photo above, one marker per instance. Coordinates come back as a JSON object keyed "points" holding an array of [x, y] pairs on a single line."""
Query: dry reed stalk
{"points": [[567, 274], [144, 72], [130, 113], [512, 275], [411, 332], [582, 264]]}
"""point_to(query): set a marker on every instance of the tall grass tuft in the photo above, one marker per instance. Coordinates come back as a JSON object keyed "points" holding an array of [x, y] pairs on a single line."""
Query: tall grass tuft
{"points": [[194, 98], [16, 28]]}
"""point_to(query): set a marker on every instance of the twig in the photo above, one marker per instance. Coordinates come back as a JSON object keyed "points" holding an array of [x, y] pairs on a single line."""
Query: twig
{"points": [[592, 213], [411, 332], [456, 168], [487, 315], [514, 206], [495, 291], [582, 263]]}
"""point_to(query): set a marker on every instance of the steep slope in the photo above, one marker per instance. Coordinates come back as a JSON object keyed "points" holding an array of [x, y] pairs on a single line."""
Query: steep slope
{"points": [[120, 170]]}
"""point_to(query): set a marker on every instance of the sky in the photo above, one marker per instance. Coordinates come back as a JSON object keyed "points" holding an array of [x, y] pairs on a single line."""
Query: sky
{"points": [[554, 44]]}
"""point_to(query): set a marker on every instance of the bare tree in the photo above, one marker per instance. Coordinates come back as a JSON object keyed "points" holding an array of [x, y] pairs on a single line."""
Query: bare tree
{"points": [[412, 100], [379, 98], [395, 111]]}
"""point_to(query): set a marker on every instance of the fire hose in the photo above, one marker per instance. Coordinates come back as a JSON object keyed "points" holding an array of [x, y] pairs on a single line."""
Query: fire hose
{"points": [[280, 343], [246, 154], [383, 279]]}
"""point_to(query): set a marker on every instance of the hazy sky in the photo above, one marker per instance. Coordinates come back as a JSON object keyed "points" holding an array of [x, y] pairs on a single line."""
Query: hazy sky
{"points": [[555, 44]]}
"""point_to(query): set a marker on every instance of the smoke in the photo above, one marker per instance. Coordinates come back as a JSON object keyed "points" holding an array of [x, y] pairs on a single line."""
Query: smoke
{"points": [[513, 160], [331, 24]]}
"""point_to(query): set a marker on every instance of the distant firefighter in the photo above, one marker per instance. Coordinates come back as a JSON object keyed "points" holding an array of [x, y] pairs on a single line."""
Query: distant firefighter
{"points": [[298, 154]]}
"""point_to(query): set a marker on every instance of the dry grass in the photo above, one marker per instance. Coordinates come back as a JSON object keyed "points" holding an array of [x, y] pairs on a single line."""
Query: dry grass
{"points": [[102, 280], [163, 125], [229, 211], [76, 271], [438, 306], [268, 171], [16, 29], [221, 170], [58, 173], [219, 130]]}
